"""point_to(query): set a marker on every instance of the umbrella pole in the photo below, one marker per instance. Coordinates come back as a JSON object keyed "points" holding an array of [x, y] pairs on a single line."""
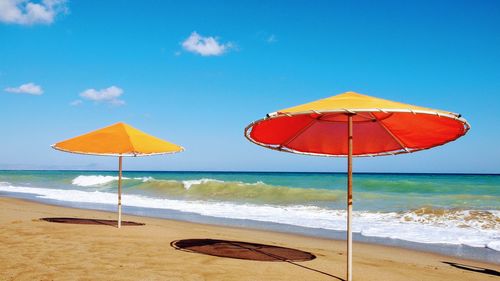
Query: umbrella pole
{"points": [[120, 191], [349, 198]]}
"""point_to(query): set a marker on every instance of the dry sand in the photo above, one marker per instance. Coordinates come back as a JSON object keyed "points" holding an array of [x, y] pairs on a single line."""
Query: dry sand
{"points": [[31, 249]]}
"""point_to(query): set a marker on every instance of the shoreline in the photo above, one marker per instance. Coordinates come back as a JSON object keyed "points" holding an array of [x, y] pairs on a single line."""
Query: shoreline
{"points": [[44, 250], [480, 254]]}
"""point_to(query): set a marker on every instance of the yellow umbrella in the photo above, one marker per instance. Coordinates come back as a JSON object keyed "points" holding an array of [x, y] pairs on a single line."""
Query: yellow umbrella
{"points": [[355, 125], [119, 140]]}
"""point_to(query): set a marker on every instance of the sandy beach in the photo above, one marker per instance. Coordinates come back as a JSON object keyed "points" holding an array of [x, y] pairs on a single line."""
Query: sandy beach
{"points": [[33, 249]]}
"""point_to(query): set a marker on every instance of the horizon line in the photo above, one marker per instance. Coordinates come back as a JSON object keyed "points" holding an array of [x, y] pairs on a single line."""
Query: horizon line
{"points": [[255, 172]]}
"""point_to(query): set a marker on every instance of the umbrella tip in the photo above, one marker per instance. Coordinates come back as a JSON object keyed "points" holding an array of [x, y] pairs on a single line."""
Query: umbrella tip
{"points": [[121, 124], [351, 93], [272, 114]]}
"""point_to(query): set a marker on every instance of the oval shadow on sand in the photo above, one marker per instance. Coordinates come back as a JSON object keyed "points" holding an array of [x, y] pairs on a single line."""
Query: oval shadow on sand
{"points": [[91, 221], [241, 250], [247, 251]]}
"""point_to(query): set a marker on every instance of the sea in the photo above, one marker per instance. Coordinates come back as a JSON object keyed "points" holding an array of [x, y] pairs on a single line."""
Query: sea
{"points": [[451, 214]]}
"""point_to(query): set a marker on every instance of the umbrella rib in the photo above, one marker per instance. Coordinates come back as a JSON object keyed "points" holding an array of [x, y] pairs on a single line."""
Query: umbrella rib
{"points": [[292, 138], [364, 116], [368, 118], [390, 133], [130, 140]]}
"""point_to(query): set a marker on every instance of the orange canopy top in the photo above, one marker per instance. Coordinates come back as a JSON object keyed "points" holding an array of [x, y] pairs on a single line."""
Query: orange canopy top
{"points": [[119, 139], [380, 127]]}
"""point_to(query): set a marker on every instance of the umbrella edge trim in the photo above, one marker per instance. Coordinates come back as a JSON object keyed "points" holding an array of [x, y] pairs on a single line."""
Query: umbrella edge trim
{"points": [[54, 146]]}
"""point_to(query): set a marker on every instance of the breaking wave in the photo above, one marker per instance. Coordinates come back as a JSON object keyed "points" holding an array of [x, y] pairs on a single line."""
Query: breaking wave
{"points": [[212, 189]]}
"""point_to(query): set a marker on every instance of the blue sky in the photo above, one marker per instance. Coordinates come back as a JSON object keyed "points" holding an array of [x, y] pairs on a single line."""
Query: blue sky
{"points": [[196, 73]]}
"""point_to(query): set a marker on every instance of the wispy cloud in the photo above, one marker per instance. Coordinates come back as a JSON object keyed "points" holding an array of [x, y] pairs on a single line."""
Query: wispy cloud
{"points": [[28, 88], [267, 37], [29, 12], [76, 102], [205, 46], [272, 39], [109, 95]]}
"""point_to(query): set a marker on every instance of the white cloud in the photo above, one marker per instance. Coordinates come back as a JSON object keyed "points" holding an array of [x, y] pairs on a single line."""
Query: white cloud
{"points": [[28, 88], [109, 95], [30, 12], [205, 46]]}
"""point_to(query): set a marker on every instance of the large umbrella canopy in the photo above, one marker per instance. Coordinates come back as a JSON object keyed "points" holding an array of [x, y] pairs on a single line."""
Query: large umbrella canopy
{"points": [[355, 125], [118, 140], [380, 127]]}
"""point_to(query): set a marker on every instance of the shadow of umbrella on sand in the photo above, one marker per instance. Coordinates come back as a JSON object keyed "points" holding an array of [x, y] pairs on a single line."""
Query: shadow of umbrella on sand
{"points": [[118, 140], [354, 125], [247, 251]]}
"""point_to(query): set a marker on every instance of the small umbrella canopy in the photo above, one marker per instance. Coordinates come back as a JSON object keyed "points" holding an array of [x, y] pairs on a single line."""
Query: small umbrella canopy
{"points": [[355, 125], [119, 140]]}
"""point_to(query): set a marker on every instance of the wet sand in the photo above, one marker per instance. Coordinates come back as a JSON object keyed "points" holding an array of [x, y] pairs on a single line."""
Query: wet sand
{"points": [[34, 249]]}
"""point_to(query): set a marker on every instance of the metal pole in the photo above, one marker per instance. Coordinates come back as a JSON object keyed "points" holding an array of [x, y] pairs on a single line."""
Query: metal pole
{"points": [[349, 198], [120, 191]]}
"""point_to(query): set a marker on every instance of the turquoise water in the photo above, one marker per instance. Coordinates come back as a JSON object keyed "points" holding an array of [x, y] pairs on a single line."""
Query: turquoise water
{"points": [[373, 192], [448, 209]]}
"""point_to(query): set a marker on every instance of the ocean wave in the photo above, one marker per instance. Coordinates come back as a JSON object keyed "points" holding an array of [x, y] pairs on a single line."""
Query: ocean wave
{"points": [[213, 189], [262, 193], [478, 219], [474, 228], [258, 192]]}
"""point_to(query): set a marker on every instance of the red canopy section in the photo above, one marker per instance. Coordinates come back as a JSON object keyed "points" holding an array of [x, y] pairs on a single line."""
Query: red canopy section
{"points": [[375, 132]]}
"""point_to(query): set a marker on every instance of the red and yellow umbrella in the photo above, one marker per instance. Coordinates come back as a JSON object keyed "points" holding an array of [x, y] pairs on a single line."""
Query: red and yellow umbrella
{"points": [[355, 125], [118, 140]]}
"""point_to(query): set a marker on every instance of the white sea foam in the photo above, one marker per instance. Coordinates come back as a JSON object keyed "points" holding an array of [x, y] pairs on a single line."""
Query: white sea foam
{"points": [[93, 180], [99, 180], [448, 230], [188, 183], [144, 179], [494, 245]]}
